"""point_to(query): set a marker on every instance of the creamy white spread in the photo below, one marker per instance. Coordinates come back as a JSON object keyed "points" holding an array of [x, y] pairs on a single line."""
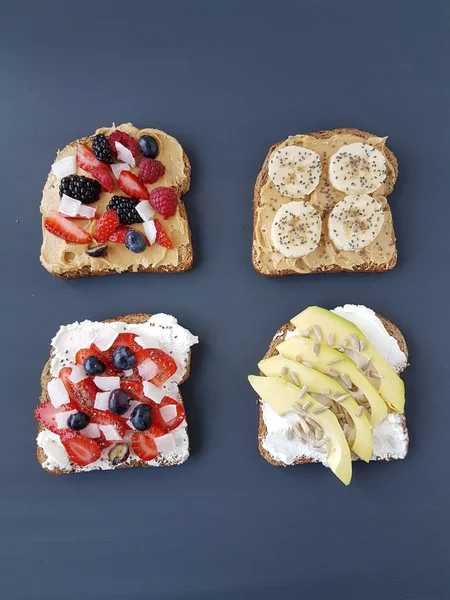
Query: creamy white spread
{"points": [[389, 438], [172, 338]]}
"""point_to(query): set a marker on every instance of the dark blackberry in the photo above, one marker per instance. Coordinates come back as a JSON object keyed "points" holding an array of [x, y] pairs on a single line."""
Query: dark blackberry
{"points": [[125, 208], [80, 188], [101, 148]]}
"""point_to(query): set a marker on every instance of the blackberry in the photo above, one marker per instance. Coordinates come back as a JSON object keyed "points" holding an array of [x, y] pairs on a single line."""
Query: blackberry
{"points": [[80, 188], [101, 148], [125, 208]]}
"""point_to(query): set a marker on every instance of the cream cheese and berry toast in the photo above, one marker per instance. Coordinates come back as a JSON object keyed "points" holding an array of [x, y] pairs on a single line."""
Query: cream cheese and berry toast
{"points": [[110, 396], [330, 390], [112, 203], [320, 205]]}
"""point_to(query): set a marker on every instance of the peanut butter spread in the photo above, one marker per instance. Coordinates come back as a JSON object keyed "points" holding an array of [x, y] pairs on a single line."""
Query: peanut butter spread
{"points": [[59, 256], [323, 199]]}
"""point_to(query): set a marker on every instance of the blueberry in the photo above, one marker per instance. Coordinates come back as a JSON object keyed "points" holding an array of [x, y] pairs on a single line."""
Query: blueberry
{"points": [[123, 359], [78, 421], [141, 417], [135, 241], [119, 402], [94, 366], [97, 251], [148, 146]]}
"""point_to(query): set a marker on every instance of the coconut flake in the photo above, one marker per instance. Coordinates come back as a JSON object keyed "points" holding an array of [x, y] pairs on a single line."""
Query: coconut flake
{"points": [[125, 155], [130, 425], [102, 400], [61, 418], [78, 374], [128, 372], [145, 210], [117, 169], [168, 412], [110, 432], [91, 431], [148, 369], [87, 212], [147, 341], [57, 393], [105, 337], [69, 206], [166, 443], [107, 383], [65, 166], [153, 392], [150, 231]]}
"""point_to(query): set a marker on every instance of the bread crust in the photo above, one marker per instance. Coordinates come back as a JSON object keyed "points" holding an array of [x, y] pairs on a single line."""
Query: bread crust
{"points": [[46, 376], [185, 252], [261, 180], [272, 351]]}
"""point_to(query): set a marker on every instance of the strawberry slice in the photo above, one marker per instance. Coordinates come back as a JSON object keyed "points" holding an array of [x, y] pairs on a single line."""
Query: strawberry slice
{"points": [[103, 442], [161, 236], [165, 363], [118, 236], [127, 339], [135, 389], [46, 413], [81, 450], [157, 419], [132, 186], [143, 443], [87, 161], [66, 229], [82, 355], [83, 393], [105, 417]]}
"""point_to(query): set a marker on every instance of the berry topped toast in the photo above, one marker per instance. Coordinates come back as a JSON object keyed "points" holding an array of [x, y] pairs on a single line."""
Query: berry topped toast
{"points": [[112, 203], [320, 205], [110, 396]]}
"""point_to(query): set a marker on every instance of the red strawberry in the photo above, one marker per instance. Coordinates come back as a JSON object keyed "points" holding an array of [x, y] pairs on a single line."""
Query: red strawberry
{"points": [[144, 445], [103, 442], [118, 236], [127, 339], [81, 450], [132, 186], [67, 230], [87, 161], [150, 170], [105, 417], [82, 355], [125, 139], [106, 225], [161, 236], [165, 201], [165, 363], [45, 413], [83, 393], [135, 389], [173, 423]]}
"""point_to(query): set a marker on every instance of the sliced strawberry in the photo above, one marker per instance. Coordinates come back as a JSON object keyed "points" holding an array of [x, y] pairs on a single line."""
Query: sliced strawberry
{"points": [[65, 228], [105, 417], [165, 363], [87, 161], [161, 236], [83, 393], [81, 450], [135, 389], [118, 236], [82, 355], [103, 442], [127, 339], [106, 225], [46, 413], [132, 186], [144, 445], [157, 419]]}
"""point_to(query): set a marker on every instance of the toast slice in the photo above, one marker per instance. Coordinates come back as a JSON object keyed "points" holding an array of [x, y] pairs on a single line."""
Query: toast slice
{"points": [[380, 255], [393, 428], [70, 260], [176, 457]]}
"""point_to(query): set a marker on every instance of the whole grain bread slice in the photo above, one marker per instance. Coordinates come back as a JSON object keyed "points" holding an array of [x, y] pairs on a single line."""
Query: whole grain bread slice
{"points": [[46, 377], [280, 335], [261, 180]]}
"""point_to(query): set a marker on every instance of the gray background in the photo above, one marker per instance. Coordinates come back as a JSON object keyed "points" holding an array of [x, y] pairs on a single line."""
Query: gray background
{"points": [[227, 80]]}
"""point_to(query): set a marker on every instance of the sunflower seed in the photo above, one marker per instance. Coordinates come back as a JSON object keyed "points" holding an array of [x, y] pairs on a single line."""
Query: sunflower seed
{"points": [[303, 391], [343, 343], [318, 434], [340, 415], [332, 373], [317, 411], [297, 408], [320, 442], [375, 375], [346, 379], [354, 341], [304, 425], [325, 392], [366, 365], [284, 371], [358, 395], [359, 411], [331, 339], [316, 349], [299, 433], [306, 405], [307, 364], [362, 345], [341, 397], [335, 360], [317, 332], [294, 377], [305, 333]]}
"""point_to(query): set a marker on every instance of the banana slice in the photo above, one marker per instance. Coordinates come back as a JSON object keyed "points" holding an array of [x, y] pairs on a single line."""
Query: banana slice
{"points": [[296, 229], [357, 169], [355, 222], [295, 171]]}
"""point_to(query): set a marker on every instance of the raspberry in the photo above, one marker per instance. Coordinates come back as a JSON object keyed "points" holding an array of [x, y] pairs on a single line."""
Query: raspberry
{"points": [[125, 139], [165, 201], [150, 170], [106, 225]]}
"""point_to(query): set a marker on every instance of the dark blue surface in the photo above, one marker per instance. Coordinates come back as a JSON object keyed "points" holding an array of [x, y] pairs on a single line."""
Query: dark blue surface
{"points": [[228, 81]]}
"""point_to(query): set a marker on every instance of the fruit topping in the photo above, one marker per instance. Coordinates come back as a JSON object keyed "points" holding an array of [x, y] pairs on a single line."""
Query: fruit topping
{"points": [[165, 201], [100, 146], [122, 358], [126, 209], [161, 236], [148, 146], [110, 432], [45, 413], [81, 188], [104, 417], [143, 443], [94, 366], [57, 393], [145, 210], [87, 161], [148, 369], [117, 169], [295, 171], [118, 236], [106, 225], [119, 401], [150, 231], [129, 340], [97, 251], [65, 229], [135, 241], [78, 421], [125, 155], [73, 208], [296, 229], [77, 374], [91, 431], [119, 453], [107, 384], [65, 166], [165, 363], [102, 400], [81, 450], [82, 394], [141, 417], [153, 392], [125, 139], [169, 414], [132, 186], [83, 354], [134, 389], [150, 170]]}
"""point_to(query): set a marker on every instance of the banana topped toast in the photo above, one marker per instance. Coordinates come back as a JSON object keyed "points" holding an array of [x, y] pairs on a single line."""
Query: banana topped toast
{"points": [[320, 205]]}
